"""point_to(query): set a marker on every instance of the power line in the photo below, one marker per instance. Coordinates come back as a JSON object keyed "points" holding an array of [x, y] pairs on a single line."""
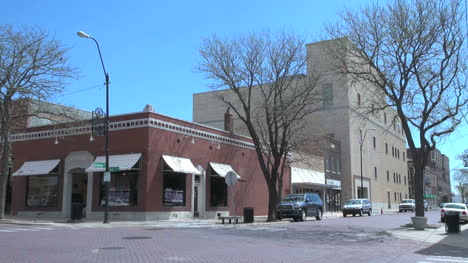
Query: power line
{"points": [[78, 91]]}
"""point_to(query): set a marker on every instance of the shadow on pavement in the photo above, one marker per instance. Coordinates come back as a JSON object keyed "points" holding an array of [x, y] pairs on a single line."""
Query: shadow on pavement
{"points": [[451, 245]]}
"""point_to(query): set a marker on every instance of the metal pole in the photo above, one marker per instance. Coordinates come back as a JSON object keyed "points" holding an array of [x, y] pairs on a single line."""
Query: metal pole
{"points": [[106, 131], [362, 187]]}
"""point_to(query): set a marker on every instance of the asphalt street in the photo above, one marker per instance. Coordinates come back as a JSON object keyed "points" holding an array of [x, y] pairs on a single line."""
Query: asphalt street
{"points": [[351, 239]]}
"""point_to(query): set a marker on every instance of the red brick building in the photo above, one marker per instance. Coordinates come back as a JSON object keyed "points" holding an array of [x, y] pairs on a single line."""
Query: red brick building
{"points": [[165, 168]]}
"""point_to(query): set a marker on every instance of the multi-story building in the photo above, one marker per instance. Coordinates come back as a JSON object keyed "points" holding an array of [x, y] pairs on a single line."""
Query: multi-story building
{"points": [[437, 186], [373, 161]]}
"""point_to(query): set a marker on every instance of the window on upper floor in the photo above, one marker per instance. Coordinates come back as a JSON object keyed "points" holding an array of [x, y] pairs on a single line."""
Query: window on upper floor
{"points": [[374, 141], [327, 94], [404, 156], [338, 167], [358, 99], [375, 173], [388, 176], [327, 164], [405, 179], [333, 164], [385, 117], [386, 148]]}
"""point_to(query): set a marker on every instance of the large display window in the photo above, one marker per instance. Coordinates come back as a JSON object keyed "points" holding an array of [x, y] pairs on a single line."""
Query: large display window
{"points": [[123, 189], [42, 191], [174, 188]]}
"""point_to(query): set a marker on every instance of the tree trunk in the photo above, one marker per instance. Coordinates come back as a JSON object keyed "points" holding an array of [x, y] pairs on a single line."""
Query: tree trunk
{"points": [[5, 164], [419, 187], [272, 201]]}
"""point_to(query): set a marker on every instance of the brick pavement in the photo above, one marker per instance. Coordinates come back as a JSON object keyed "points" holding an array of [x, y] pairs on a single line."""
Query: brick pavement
{"points": [[334, 240]]}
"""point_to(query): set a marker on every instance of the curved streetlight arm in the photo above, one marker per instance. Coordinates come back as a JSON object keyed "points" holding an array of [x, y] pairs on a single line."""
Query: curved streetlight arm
{"points": [[100, 56]]}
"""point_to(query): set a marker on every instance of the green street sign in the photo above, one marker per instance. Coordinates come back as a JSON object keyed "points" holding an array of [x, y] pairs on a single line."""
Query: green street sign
{"points": [[99, 165], [114, 169]]}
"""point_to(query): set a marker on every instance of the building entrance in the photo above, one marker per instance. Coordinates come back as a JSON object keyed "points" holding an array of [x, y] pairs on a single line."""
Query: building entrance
{"points": [[79, 195]]}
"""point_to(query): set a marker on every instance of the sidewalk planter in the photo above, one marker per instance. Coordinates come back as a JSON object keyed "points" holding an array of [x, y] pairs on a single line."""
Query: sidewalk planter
{"points": [[419, 222]]}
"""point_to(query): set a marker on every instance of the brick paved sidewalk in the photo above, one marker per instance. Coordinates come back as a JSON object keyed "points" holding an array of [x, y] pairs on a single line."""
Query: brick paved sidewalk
{"points": [[434, 236]]}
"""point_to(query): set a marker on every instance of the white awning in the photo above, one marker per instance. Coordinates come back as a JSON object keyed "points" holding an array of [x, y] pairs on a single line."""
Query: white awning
{"points": [[222, 169], [124, 162], [180, 165], [37, 167], [306, 176]]}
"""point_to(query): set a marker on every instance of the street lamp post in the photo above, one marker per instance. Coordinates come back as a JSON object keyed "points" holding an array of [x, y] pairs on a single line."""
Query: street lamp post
{"points": [[106, 130], [361, 141]]}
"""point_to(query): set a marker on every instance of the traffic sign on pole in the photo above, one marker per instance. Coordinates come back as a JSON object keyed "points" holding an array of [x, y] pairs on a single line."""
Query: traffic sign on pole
{"points": [[107, 177]]}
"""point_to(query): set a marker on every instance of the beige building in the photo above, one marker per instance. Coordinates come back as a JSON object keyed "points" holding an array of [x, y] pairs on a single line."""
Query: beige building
{"points": [[346, 117]]}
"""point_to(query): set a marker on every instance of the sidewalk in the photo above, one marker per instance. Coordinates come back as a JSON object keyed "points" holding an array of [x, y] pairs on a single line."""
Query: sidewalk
{"points": [[181, 223], [437, 235]]}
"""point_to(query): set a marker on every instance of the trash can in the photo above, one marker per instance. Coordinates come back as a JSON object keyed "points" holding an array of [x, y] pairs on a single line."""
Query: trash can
{"points": [[452, 223], [76, 211], [248, 214]]}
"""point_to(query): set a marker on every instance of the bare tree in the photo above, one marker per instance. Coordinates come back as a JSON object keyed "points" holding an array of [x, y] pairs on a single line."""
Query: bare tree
{"points": [[33, 67], [461, 177], [413, 52], [266, 87]]}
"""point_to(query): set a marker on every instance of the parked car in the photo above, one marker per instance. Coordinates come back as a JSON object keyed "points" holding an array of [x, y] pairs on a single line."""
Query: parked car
{"points": [[357, 206], [454, 208], [407, 205], [410, 205], [300, 206]]}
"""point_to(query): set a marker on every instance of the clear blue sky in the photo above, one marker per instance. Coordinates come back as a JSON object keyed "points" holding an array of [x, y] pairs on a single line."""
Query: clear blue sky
{"points": [[150, 47]]}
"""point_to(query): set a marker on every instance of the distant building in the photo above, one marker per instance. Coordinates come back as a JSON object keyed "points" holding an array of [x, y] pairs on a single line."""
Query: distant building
{"points": [[437, 188], [347, 117]]}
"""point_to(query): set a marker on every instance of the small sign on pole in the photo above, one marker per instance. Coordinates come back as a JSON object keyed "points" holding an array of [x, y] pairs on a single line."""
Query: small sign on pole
{"points": [[107, 177], [99, 165], [114, 169]]}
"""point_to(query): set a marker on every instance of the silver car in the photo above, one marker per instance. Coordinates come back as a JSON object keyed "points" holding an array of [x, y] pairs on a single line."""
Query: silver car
{"points": [[357, 207], [454, 208]]}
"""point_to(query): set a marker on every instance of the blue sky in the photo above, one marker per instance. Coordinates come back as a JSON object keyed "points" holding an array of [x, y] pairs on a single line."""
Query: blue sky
{"points": [[150, 48]]}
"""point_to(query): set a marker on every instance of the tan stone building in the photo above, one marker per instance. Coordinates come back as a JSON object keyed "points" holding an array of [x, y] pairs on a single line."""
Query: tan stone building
{"points": [[346, 117]]}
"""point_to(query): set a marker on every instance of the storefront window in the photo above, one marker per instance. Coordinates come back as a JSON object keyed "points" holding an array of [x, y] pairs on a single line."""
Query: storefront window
{"points": [[174, 188], [123, 189], [42, 191], [218, 191]]}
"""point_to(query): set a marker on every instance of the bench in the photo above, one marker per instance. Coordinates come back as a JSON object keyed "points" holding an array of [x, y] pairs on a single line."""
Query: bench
{"points": [[230, 218]]}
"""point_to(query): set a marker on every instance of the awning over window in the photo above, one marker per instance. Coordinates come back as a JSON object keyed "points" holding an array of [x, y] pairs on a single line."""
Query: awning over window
{"points": [[180, 165], [37, 167], [306, 176], [124, 162], [222, 169]]}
